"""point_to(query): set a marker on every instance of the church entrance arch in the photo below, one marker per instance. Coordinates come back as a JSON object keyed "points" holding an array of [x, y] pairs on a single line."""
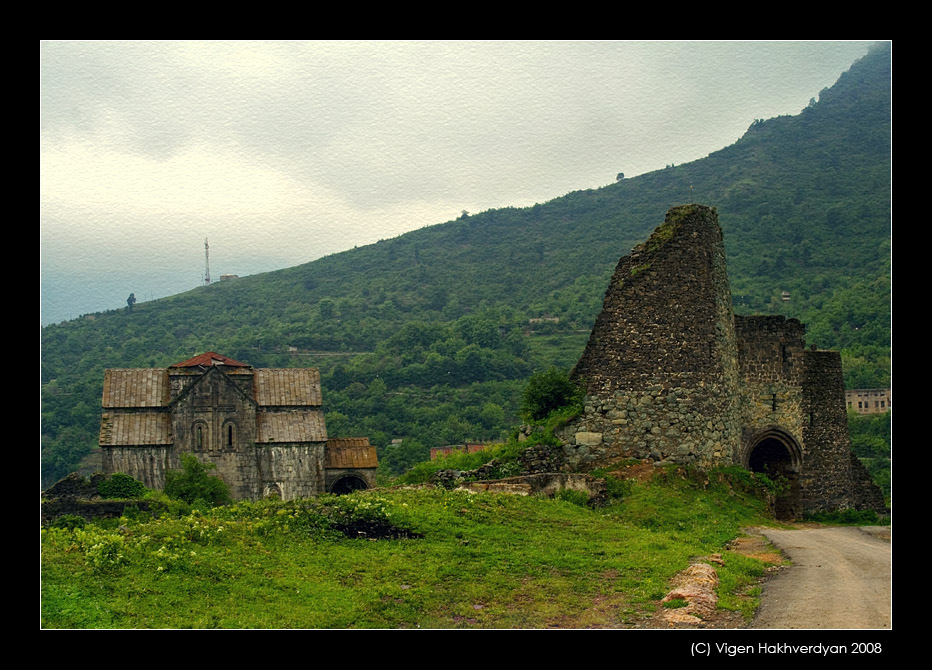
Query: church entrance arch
{"points": [[348, 484], [777, 454]]}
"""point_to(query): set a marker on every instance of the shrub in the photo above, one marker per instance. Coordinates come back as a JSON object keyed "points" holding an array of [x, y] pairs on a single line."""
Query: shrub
{"points": [[548, 391], [69, 522], [617, 489], [580, 498], [119, 485], [192, 483]]}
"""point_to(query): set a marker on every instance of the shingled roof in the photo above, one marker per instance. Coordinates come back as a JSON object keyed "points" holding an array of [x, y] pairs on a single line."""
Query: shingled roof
{"points": [[294, 426], [135, 387], [350, 452], [287, 387], [147, 428], [292, 394]]}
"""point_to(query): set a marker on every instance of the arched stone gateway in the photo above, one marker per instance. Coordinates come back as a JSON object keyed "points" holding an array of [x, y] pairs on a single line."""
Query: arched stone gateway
{"points": [[775, 453], [348, 484]]}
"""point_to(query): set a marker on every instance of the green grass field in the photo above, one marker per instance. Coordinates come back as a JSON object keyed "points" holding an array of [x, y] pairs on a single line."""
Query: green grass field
{"points": [[468, 561]]}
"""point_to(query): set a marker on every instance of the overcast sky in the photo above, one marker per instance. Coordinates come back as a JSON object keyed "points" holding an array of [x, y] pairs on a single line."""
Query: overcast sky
{"points": [[282, 152]]}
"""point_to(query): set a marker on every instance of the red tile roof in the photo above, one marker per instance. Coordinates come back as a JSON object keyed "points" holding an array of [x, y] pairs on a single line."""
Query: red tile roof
{"points": [[207, 359]]}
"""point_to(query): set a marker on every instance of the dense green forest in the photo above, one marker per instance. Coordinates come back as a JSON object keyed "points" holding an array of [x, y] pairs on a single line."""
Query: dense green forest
{"points": [[429, 337], [871, 437]]}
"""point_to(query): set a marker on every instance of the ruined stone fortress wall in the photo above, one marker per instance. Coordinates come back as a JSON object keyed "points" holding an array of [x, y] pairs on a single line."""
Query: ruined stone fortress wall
{"points": [[672, 375], [771, 355], [771, 360], [660, 369], [831, 476]]}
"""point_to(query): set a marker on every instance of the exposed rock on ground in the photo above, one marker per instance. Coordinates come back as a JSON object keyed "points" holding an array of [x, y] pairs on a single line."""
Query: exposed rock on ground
{"points": [[696, 585]]}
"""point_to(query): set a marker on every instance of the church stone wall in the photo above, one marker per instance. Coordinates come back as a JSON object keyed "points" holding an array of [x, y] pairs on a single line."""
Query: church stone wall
{"points": [[295, 470], [147, 464], [213, 412], [213, 419]]}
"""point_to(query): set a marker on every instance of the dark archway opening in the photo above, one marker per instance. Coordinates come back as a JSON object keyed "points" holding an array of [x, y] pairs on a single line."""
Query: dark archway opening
{"points": [[777, 456], [348, 484], [771, 457]]}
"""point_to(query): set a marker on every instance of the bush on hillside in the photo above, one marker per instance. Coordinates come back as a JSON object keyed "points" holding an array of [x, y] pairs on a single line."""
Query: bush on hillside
{"points": [[119, 485], [69, 522], [548, 391], [192, 483]]}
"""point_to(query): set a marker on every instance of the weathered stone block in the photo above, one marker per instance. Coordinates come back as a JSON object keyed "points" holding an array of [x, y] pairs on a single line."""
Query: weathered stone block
{"points": [[588, 439]]}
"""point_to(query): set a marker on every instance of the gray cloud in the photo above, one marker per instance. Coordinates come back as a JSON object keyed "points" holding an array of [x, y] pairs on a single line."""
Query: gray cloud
{"points": [[286, 151]]}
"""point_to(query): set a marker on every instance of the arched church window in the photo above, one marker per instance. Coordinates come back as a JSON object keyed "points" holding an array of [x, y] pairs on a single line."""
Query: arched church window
{"points": [[201, 437]]}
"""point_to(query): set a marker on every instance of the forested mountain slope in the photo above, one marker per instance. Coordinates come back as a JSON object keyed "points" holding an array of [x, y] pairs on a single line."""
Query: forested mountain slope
{"points": [[428, 336]]}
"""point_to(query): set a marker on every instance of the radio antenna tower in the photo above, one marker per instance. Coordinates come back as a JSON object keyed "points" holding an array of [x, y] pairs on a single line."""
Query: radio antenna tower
{"points": [[206, 263]]}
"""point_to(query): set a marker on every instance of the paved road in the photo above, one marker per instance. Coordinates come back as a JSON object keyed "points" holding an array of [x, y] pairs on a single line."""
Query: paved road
{"points": [[840, 578]]}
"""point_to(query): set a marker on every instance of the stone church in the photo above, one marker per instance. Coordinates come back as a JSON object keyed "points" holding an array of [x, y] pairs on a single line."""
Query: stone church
{"points": [[671, 374], [263, 428]]}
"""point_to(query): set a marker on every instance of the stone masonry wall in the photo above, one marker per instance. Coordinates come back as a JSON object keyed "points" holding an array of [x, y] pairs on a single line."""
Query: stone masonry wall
{"points": [[147, 464], [827, 481], [296, 469], [771, 353], [201, 424], [660, 368]]}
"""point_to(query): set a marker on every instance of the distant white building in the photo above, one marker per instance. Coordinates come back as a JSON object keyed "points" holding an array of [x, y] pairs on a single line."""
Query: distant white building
{"points": [[869, 401]]}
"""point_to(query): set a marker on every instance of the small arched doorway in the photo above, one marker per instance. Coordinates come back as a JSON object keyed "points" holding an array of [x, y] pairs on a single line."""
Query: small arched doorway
{"points": [[775, 453], [348, 484]]}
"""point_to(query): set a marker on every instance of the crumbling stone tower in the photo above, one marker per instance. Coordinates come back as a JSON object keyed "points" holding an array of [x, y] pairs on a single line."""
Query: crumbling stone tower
{"points": [[660, 369], [672, 375]]}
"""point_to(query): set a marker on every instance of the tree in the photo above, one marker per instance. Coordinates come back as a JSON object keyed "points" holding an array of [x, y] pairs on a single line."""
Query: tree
{"points": [[547, 391], [192, 483], [325, 308], [399, 457]]}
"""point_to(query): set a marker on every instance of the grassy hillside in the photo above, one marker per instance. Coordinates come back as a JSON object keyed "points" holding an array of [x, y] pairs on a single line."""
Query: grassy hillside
{"points": [[430, 336], [467, 561]]}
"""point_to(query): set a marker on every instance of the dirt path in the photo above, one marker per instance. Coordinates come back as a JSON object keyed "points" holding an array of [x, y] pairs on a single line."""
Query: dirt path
{"points": [[840, 578]]}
